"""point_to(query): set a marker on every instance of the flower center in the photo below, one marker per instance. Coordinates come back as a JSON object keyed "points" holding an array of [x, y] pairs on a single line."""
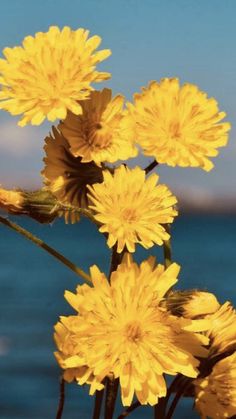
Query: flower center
{"points": [[175, 129], [133, 331], [98, 136], [129, 215]]}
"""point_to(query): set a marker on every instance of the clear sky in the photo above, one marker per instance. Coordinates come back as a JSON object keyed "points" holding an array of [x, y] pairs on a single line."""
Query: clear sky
{"points": [[191, 39]]}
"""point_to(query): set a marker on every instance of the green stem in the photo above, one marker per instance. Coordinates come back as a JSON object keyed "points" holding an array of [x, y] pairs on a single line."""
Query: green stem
{"points": [[112, 384], [160, 408], [129, 409], [176, 399], [61, 399], [150, 167], [80, 211], [111, 394], [171, 388], [98, 404], [45, 246]]}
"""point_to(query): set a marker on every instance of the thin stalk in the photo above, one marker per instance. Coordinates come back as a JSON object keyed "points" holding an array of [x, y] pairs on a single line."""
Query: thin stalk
{"points": [[111, 394], [129, 410], [98, 404], [112, 384], [172, 386], [115, 260], [176, 399], [160, 409], [150, 167], [46, 247], [80, 211], [61, 399]]}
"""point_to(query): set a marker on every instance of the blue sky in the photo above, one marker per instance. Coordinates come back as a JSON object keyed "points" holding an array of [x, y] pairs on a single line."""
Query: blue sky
{"points": [[191, 39]]}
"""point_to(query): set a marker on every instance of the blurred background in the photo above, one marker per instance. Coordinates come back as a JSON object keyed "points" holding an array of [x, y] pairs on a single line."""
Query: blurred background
{"points": [[192, 40]]}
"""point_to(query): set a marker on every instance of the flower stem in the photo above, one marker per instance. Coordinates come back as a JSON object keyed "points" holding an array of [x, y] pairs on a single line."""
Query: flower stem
{"points": [[176, 399], [61, 399], [111, 394], [98, 404], [150, 167], [129, 409], [160, 408], [167, 249], [112, 384], [45, 246]]}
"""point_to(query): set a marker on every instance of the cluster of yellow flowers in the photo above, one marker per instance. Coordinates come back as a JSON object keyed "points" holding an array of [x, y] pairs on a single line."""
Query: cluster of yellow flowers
{"points": [[129, 326]]}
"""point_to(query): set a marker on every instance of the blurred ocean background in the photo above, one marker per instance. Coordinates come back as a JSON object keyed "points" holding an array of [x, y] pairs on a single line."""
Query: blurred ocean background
{"points": [[32, 285]]}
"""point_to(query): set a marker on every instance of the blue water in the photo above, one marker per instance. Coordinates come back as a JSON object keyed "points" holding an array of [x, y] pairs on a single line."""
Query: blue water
{"points": [[32, 284]]}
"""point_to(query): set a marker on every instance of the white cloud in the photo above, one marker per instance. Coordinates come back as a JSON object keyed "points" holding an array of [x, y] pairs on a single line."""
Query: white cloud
{"points": [[17, 141]]}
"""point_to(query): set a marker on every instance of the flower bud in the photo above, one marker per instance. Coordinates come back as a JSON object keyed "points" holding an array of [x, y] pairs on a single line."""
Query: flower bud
{"points": [[40, 205], [192, 303]]}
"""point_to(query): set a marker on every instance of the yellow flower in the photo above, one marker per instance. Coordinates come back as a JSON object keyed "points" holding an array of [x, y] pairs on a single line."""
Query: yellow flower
{"points": [[11, 201], [122, 331], [132, 209], [222, 332], [179, 126], [100, 133], [65, 175], [192, 303], [216, 393], [49, 74], [69, 347]]}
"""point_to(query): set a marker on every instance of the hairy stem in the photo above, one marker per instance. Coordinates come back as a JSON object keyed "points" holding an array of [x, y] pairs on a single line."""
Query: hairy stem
{"points": [[160, 408], [171, 387], [167, 249], [176, 399], [61, 399], [129, 410], [46, 247], [150, 167], [98, 404], [111, 394], [112, 384]]}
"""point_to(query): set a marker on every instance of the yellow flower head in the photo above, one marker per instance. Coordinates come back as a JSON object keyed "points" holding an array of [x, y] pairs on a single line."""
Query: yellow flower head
{"points": [[216, 394], [100, 133], [49, 74], [65, 175], [192, 303], [68, 347], [132, 209], [179, 126], [122, 331], [11, 201], [222, 332]]}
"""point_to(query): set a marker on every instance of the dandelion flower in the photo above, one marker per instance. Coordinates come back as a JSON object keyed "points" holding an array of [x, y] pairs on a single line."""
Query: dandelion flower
{"points": [[222, 332], [49, 74], [122, 331], [65, 175], [132, 209], [192, 303], [216, 393], [101, 133], [179, 126], [68, 347]]}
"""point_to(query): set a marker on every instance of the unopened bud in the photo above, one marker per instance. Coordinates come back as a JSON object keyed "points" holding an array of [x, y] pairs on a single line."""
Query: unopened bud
{"points": [[192, 303], [40, 205]]}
